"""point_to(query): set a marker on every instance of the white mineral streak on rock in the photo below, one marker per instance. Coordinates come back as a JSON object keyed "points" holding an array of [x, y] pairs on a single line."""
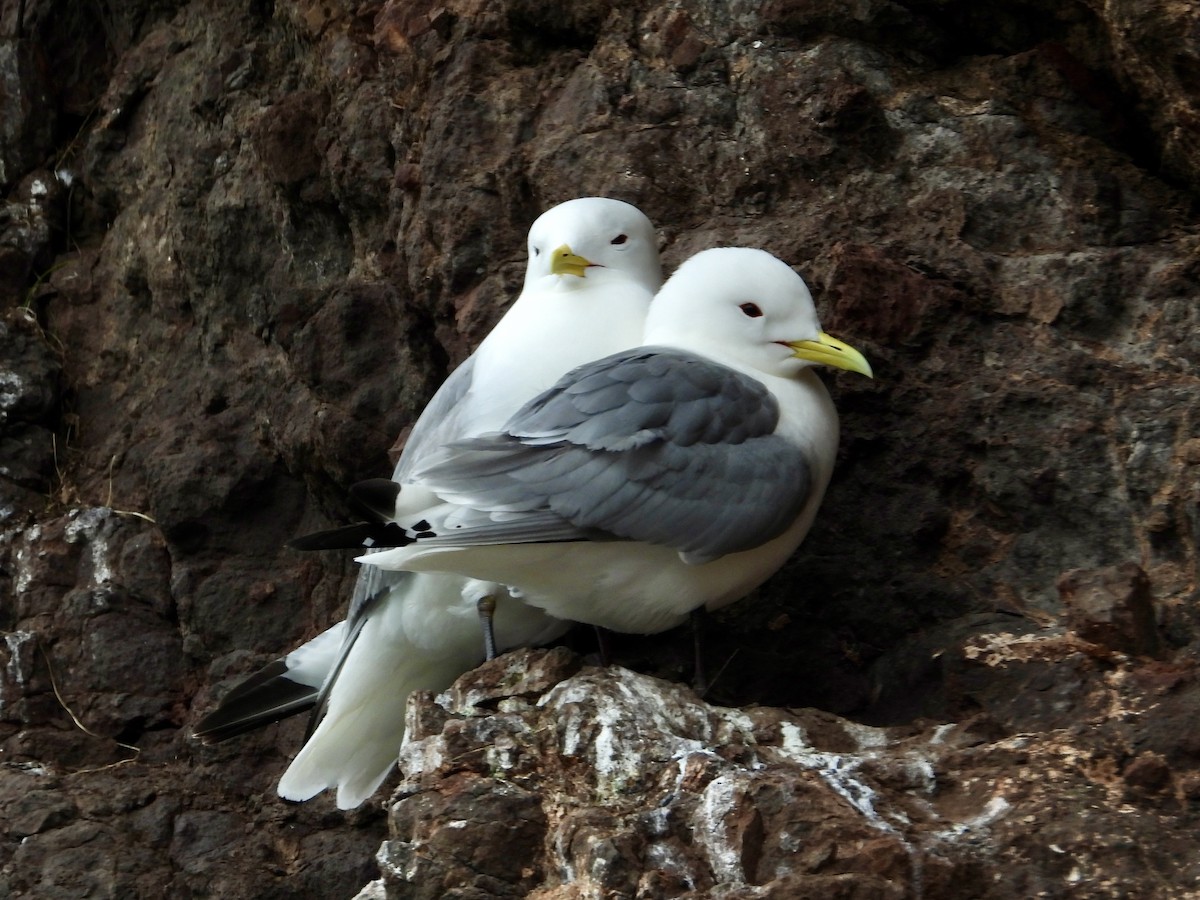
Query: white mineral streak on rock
{"points": [[424, 755], [837, 770], [88, 525], [671, 860], [656, 752], [562, 854], [385, 859], [721, 798], [865, 736], [921, 773], [374, 890], [11, 388], [23, 579], [731, 726], [616, 720], [994, 809], [840, 770], [939, 733], [917, 764], [18, 664], [20, 660], [504, 753]]}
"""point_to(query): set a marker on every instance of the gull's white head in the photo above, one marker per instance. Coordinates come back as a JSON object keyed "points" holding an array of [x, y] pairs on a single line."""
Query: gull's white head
{"points": [[590, 240], [745, 306]]}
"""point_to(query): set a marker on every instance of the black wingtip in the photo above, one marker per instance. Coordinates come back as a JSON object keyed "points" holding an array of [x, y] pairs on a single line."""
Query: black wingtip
{"points": [[349, 537], [266, 696], [366, 535]]}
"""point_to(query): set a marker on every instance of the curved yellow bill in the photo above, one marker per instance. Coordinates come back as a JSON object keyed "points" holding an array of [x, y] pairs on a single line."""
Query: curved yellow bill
{"points": [[827, 350], [565, 261]]}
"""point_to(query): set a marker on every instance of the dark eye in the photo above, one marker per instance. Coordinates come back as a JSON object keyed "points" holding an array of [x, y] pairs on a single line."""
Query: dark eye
{"points": [[751, 309], [620, 239], [537, 250]]}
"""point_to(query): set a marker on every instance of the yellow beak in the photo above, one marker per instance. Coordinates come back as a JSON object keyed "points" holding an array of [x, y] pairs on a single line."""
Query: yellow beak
{"points": [[827, 350], [564, 261]]}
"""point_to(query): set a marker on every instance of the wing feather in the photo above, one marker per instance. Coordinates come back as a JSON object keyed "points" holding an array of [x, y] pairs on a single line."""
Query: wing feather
{"points": [[650, 445]]}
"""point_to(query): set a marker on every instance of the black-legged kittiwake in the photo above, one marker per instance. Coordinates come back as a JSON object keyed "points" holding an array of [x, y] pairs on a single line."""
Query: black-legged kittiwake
{"points": [[592, 270], [642, 486]]}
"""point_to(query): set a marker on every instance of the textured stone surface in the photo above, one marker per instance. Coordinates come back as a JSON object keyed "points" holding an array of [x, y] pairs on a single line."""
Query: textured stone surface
{"points": [[1112, 607], [240, 246], [614, 784]]}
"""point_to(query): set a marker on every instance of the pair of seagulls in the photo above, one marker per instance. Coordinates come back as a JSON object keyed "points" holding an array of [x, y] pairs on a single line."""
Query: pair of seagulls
{"points": [[600, 458]]}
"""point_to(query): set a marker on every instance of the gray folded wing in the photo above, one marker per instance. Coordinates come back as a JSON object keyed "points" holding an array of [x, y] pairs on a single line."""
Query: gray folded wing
{"points": [[440, 422], [653, 445]]}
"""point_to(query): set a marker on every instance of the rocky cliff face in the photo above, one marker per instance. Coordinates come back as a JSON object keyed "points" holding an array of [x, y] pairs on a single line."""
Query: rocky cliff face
{"points": [[240, 246]]}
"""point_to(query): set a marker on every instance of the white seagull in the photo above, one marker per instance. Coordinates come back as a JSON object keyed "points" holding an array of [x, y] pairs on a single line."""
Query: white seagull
{"points": [[592, 271], [642, 486]]}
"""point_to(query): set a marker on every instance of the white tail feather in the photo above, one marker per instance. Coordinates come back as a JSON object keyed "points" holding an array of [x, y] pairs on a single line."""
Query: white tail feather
{"points": [[421, 637]]}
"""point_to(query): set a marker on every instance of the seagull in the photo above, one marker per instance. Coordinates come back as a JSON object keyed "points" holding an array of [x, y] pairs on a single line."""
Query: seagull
{"points": [[593, 268], [642, 486]]}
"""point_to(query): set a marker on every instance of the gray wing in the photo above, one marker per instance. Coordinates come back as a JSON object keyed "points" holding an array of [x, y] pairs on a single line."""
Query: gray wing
{"points": [[653, 445], [439, 423]]}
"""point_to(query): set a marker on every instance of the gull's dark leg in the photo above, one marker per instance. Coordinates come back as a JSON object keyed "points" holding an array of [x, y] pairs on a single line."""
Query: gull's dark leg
{"points": [[602, 646], [486, 606], [699, 676]]}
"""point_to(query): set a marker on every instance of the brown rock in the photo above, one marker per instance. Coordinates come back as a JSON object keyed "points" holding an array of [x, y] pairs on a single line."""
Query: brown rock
{"points": [[27, 117], [1113, 607], [615, 784], [269, 231], [1148, 772]]}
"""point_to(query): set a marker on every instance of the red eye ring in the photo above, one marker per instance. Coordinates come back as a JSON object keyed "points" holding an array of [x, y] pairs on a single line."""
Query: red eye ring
{"points": [[751, 309]]}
